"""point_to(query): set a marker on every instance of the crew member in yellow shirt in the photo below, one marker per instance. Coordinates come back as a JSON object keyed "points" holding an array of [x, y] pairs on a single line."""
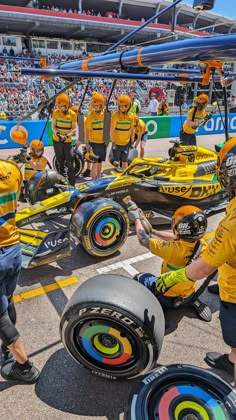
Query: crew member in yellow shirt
{"points": [[177, 249], [195, 115], [94, 133], [141, 134], [221, 254], [163, 108], [36, 162], [16, 365], [64, 123], [122, 130]]}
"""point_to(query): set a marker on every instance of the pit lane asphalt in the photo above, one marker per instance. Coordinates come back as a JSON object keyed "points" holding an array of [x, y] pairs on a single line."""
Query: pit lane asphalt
{"points": [[65, 389]]}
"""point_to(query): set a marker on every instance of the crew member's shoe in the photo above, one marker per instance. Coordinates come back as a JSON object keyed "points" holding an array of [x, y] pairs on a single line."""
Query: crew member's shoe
{"points": [[220, 361], [6, 354], [213, 288], [202, 310], [86, 173], [14, 371]]}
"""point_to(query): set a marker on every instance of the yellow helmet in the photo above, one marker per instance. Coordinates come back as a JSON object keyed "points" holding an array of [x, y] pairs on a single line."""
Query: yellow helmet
{"points": [[3, 115], [37, 148], [202, 98], [97, 99], [136, 119], [124, 100], [62, 100]]}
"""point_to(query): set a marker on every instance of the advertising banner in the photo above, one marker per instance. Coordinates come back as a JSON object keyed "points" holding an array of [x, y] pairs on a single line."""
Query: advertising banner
{"points": [[158, 127]]}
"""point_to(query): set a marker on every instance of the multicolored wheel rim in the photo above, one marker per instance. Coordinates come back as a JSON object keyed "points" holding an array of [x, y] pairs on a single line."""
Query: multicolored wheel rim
{"points": [[107, 231], [107, 345], [187, 402]]}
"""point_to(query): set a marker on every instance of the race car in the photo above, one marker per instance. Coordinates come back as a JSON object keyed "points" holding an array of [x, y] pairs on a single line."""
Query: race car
{"points": [[98, 212]]}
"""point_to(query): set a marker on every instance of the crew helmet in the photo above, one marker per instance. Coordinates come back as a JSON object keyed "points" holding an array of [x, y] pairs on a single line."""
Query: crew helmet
{"points": [[226, 165], [136, 119], [62, 100], [36, 148], [124, 100], [75, 108], [201, 101], [189, 223], [97, 99]]}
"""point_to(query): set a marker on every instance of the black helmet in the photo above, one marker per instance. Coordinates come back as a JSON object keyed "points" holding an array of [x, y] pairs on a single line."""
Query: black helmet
{"points": [[226, 171], [189, 223], [43, 185]]}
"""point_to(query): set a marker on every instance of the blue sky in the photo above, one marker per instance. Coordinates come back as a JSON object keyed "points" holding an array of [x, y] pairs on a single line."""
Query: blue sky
{"points": [[222, 7]]}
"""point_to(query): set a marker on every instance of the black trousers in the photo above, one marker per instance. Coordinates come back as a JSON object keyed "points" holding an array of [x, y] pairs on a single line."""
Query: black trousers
{"points": [[64, 155], [186, 138]]}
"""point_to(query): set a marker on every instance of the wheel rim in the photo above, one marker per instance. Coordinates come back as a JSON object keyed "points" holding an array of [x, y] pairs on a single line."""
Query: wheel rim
{"points": [[186, 401], [107, 346], [107, 231]]}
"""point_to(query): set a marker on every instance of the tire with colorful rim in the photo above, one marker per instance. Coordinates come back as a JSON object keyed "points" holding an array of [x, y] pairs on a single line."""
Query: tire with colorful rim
{"points": [[114, 326], [101, 226], [182, 392], [78, 162]]}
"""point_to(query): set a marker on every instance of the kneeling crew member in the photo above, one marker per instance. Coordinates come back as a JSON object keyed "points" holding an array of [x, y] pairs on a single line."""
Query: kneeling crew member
{"points": [[177, 249]]}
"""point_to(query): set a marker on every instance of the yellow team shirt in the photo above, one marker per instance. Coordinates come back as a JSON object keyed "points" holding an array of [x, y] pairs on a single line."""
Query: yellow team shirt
{"points": [[141, 128], [64, 123], [221, 253], [29, 171], [123, 125], [163, 109], [176, 254], [94, 124], [199, 115], [10, 185]]}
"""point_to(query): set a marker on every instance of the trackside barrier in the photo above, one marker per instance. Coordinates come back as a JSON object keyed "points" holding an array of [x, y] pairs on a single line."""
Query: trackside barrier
{"points": [[158, 127]]}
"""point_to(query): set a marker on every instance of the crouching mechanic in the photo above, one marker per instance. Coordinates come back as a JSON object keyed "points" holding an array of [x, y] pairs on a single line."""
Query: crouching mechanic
{"points": [[36, 161], [122, 130], [94, 133], [221, 254], [195, 115], [141, 134], [16, 364], [177, 249], [64, 122]]}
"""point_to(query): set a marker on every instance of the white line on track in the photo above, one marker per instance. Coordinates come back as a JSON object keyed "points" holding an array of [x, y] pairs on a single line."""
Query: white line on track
{"points": [[126, 264]]}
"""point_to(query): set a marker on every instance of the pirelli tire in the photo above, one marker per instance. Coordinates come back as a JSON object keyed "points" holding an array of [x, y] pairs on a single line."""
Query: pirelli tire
{"points": [[78, 162], [101, 226], [113, 326], [182, 392]]}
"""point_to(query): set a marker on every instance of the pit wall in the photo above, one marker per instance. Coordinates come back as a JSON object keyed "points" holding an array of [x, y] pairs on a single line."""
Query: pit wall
{"points": [[158, 127]]}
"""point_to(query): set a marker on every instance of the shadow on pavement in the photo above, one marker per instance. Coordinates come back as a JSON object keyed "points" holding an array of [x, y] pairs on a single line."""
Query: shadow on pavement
{"points": [[69, 387]]}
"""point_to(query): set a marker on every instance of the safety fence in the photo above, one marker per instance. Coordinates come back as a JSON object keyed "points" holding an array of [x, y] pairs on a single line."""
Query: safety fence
{"points": [[158, 127]]}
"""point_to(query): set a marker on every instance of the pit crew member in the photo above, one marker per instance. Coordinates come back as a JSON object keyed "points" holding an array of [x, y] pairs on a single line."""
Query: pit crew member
{"points": [[221, 254], [141, 134], [195, 115], [16, 365], [122, 130], [177, 249], [94, 133], [64, 123]]}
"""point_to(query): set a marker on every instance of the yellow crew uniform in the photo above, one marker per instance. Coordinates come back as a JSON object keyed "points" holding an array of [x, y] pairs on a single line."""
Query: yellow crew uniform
{"points": [[176, 254], [193, 115], [221, 253], [141, 128], [64, 123], [10, 180], [122, 124], [30, 171], [163, 109], [94, 124]]}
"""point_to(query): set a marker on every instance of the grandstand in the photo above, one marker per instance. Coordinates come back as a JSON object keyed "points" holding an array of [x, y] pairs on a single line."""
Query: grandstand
{"points": [[39, 28]]}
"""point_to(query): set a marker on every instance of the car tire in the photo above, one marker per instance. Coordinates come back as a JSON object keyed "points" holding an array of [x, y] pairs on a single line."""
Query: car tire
{"points": [[114, 326], [182, 391], [101, 226], [78, 162]]}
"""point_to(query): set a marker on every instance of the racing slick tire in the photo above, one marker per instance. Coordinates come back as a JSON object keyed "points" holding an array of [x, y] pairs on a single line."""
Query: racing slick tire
{"points": [[113, 326], [43, 185], [182, 392], [78, 162], [101, 226]]}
